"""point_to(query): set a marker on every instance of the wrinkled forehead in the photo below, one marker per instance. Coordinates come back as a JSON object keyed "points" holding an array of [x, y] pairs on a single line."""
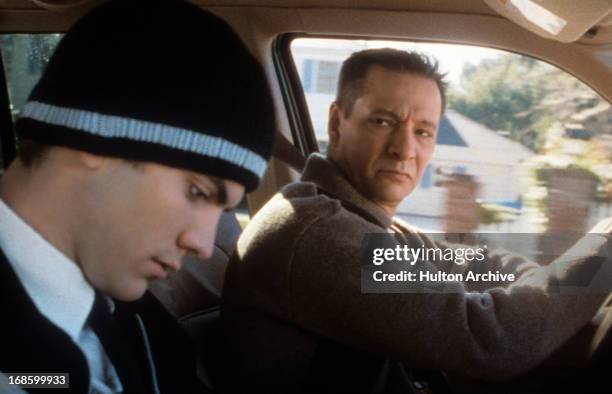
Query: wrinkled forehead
{"points": [[402, 92]]}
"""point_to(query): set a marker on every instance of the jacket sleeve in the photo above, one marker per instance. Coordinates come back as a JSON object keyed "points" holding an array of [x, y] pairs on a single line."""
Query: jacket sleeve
{"points": [[494, 334], [496, 259]]}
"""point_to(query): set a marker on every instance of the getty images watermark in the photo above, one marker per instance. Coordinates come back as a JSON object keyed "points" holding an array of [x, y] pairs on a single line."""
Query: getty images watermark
{"points": [[449, 263]]}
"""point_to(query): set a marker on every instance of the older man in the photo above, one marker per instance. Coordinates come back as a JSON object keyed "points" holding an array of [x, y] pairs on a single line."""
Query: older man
{"points": [[295, 316], [151, 118]]}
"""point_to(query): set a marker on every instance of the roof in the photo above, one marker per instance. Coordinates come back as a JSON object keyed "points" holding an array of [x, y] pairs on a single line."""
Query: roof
{"points": [[481, 144], [448, 134]]}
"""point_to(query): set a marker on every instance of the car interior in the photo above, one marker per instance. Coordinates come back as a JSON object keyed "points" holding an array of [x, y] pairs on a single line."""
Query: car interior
{"points": [[573, 37]]}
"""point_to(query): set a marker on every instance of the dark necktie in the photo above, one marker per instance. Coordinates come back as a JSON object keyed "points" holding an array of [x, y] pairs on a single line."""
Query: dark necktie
{"points": [[121, 348]]}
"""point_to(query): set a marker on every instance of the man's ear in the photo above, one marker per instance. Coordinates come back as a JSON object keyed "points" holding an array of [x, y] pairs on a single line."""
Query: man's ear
{"points": [[333, 125], [91, 160]]}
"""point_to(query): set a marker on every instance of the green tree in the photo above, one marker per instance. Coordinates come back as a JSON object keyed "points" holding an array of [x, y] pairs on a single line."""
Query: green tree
{"points": [[520, 95], [501, 92]]}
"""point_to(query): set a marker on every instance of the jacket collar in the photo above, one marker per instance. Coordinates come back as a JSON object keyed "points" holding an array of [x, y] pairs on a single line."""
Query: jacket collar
{"points": [[327, 176], [32, 343]]}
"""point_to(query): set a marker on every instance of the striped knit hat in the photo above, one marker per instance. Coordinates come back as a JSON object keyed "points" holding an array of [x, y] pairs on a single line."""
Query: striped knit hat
{"points": [[156, 80]]}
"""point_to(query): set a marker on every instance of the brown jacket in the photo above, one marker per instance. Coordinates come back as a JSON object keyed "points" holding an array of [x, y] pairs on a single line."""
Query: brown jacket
{"points": [[295, 284]]}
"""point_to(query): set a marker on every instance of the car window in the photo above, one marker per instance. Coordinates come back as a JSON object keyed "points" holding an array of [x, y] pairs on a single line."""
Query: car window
{"points": [[25, 57], [523, 146]]}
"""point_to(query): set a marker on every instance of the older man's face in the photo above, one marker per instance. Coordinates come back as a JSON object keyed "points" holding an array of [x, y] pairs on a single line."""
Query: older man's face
{"points": [[385, 144]]}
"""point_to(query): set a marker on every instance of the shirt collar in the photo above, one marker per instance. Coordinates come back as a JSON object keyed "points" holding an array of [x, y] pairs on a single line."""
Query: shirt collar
{"points": [[55, 284], [328, 177]]}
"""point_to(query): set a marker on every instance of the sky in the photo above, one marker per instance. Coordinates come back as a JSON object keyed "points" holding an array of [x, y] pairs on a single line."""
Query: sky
{"points": [[452, 57]]}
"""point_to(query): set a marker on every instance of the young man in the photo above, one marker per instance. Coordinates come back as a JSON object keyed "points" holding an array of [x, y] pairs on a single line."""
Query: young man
{"points": [[296, 318], [151, 118]]}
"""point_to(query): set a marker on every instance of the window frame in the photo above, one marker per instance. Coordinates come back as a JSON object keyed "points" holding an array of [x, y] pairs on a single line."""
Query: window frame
{"points": [[8, 141], [294, 98]]}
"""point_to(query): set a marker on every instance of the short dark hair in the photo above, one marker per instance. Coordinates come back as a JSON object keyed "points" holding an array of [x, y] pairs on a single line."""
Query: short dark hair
{"points": [[355, 69], [31, 152]]}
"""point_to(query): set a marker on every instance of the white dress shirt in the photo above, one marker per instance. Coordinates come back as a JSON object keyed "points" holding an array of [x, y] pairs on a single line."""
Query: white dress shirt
{"points": [[59, 290]]}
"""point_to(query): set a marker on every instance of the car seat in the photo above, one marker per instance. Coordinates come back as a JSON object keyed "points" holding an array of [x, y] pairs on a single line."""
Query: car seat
{"points": [[193, 295]]}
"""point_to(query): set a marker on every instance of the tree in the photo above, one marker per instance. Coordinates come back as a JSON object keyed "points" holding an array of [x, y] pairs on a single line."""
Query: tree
{"points": [[501, 92], [521, 96]]}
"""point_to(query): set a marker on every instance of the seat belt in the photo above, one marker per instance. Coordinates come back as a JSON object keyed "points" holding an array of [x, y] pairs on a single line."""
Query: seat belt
{"points": [[286, 152]]}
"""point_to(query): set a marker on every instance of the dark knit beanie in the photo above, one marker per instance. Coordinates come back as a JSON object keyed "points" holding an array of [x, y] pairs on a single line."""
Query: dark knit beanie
{"points": [[156, 80]]}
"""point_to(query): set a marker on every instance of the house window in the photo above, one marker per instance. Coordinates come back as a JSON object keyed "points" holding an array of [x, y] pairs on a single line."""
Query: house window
{"points": [[320, 76], [327, 77], [307, 75]]}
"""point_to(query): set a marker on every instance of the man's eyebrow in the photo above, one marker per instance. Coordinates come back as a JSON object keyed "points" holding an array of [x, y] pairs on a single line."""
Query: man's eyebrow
{"points": [[428, 123], [382, 111]]}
